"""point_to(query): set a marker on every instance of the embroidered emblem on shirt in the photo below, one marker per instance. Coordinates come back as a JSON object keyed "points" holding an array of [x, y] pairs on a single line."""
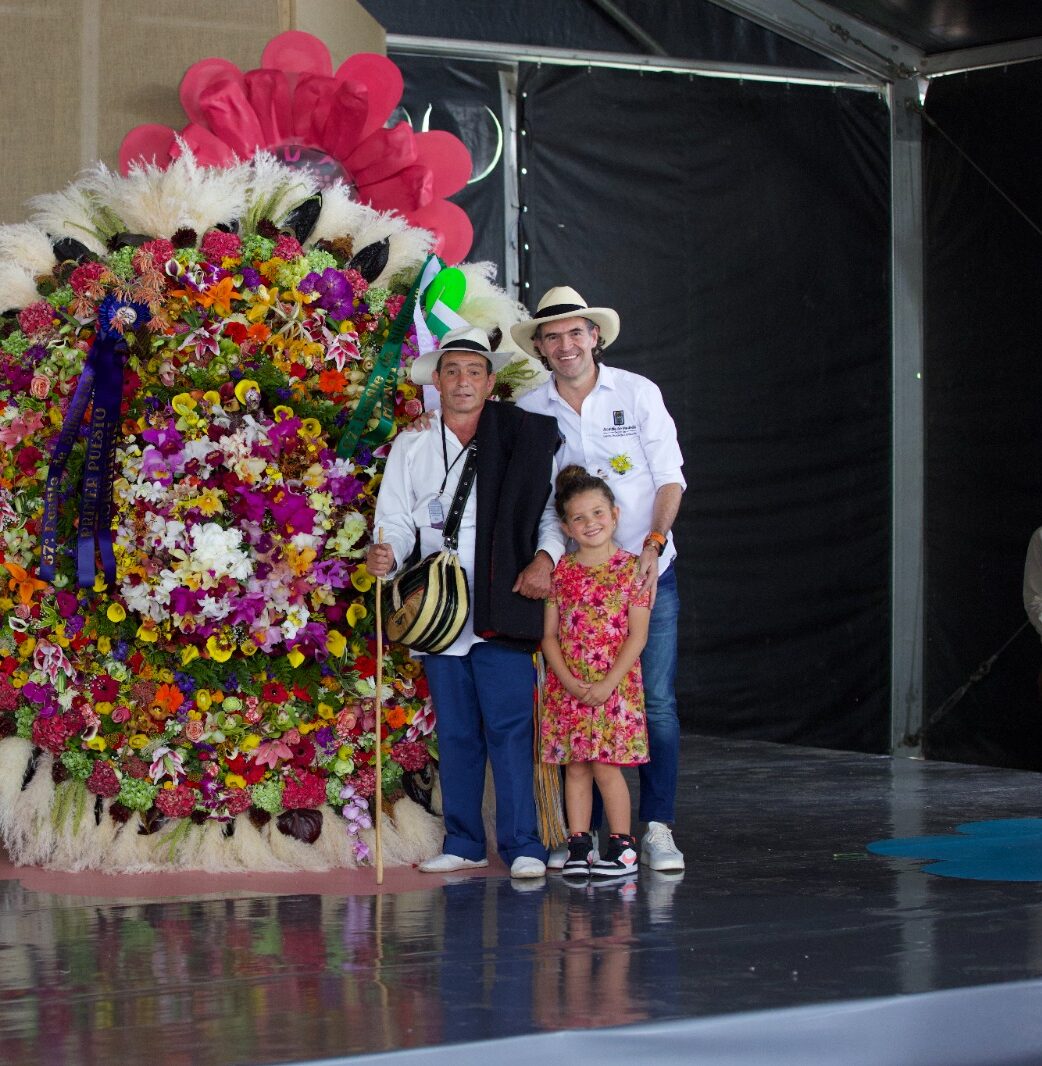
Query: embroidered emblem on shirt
{"points": [[618, 418]]}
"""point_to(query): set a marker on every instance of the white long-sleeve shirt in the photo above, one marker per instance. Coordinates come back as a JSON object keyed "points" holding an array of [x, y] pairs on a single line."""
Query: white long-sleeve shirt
{"points": [[623, 423], [412, 481]]}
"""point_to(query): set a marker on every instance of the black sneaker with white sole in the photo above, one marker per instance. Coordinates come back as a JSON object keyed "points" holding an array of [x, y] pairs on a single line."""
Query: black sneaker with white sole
{"points": [[619, 860], [580, 849]]}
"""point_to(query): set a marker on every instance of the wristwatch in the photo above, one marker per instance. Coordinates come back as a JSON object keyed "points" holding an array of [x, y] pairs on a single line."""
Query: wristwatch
{"points": [[655, 540]]}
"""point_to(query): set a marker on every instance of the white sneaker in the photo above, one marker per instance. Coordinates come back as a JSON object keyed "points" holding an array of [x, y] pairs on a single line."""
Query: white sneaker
{"points": [[558, 857], [657, 849], [448, 864], [526, 866]]}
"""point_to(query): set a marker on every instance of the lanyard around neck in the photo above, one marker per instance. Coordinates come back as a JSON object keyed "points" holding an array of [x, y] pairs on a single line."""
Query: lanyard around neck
{"points": [[445, 456]]}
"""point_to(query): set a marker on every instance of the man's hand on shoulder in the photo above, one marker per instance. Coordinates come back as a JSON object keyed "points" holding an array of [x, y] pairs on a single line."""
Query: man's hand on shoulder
{"points": [[534, 581], [421, 421]]}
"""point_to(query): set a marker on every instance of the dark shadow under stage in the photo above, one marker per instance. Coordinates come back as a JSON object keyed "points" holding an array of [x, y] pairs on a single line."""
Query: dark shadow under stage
{"points": [[784, 942]]}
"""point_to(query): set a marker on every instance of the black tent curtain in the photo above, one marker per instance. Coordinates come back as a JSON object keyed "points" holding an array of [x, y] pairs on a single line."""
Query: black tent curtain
{"points": [[984, 410], [741, 230]]}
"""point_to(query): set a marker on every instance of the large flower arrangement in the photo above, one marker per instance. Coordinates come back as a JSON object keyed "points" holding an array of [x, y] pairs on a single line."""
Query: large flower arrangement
{"points": [[221, 667]]}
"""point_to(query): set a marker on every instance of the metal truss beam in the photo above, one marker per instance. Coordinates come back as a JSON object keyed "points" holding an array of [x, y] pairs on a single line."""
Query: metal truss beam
{"points": [[991, 55], [494, 52], [831, 33]]}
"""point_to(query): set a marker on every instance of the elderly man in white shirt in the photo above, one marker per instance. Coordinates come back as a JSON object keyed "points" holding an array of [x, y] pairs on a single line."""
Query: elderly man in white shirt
{"points": [[482, 685], [615, 424]]}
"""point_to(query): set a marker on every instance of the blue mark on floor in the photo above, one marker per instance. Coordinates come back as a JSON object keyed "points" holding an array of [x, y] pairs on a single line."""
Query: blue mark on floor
{"points": [[1004, 849]]}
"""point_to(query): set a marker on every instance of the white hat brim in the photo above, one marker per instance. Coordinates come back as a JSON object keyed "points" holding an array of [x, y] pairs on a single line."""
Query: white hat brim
{"points": [[422, 372], [606, 320]]}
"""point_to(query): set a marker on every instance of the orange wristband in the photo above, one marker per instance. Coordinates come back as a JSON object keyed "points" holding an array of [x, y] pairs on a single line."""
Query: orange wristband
{"points": [[655, 540]]}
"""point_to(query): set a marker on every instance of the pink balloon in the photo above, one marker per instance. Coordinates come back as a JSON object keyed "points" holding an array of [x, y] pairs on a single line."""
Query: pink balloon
{"points": [[312, 102], [347, 114], [198, 77], [385, 84], [231, 118], [299, 52], [272, 101], [410, 189], [450, 225], [383, 154], [208, 150], [146, 144], [448, 159]]}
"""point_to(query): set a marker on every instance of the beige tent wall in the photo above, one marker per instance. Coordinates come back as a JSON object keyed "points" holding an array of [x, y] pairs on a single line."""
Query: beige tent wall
{"points": [[76, 75]]}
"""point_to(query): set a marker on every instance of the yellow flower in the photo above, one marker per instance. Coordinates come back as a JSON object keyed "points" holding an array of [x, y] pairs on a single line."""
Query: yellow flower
{"points": [[104, 645], [310, 429], [212, 397], [146, 632], [183, 403], [336, 643], [25, 649], [355, 613], [235, 781], [248, 648], [138, 741], [189, 653], [115, 612], [263, 300], [325, 711], [244, 388], [219, 648], [97, 744], [250, 742], [208, 502], [362, 579], [296, 657], [308, 727], [100, 584], [104, 707], [282, 412], [202, 699]]}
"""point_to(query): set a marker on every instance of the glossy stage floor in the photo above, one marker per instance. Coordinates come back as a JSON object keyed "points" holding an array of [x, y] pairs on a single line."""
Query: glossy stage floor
{"points": [[784, 942]]}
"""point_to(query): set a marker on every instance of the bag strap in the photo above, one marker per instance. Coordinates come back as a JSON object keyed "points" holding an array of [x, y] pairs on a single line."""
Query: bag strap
{"points": [[450, 538]]}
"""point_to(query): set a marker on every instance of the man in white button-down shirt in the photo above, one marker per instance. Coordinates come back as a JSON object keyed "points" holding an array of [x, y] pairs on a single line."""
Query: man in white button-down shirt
{"points": [[482, 685], [615, 424]]}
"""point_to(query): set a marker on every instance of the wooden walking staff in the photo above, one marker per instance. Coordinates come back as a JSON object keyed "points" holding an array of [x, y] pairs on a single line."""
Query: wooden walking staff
{"points": [[378, 796]]}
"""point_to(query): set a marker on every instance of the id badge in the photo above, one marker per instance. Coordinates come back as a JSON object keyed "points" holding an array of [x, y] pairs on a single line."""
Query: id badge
{"points": [[437, 514]]}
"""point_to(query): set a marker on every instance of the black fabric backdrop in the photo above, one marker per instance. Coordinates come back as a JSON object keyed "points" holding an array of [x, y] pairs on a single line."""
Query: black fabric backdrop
{"points": [[984, 426], [741, 230]]}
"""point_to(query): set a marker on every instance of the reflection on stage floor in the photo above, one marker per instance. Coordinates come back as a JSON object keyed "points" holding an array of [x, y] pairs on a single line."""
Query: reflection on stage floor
{"points": [[780, 907]]}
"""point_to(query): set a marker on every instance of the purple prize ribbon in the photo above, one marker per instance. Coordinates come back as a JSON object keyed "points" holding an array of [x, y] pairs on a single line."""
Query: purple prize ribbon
{"points": [[102, 382]]}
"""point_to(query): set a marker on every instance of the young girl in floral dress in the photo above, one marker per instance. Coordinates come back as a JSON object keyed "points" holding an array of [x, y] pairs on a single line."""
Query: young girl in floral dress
{"points": [[595, 627]]}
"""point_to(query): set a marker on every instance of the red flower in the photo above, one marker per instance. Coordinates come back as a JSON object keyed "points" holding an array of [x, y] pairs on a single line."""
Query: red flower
{"points": [[104, 688], [52, 733], [410, 755], [274, 692], [178, 802], [27, 459], [236, 331], [307, 792], [103, 780], [237, 801]]}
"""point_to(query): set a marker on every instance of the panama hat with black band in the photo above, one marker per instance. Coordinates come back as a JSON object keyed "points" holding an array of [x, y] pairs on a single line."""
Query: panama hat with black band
{"points": [[557, 305], [466, 339]]}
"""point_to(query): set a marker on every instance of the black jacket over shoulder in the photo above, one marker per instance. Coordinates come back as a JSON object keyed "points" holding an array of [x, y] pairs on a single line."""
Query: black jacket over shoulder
{"points": [[515, 452]]}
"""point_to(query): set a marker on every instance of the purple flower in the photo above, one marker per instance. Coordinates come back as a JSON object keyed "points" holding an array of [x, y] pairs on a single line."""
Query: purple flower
{"points": [[66, 603], [250, 505], [184, 601], [335, 292], [292, 512], [345, 489], [166, 439], [251, 278]]}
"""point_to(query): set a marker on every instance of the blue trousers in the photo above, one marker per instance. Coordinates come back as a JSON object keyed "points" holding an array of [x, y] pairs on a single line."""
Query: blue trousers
{"points": [[658, 667], [483, 703]]}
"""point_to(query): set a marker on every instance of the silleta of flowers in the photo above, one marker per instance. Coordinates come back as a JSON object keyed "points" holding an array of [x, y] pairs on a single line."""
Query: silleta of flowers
{"points": [[184, 362]]}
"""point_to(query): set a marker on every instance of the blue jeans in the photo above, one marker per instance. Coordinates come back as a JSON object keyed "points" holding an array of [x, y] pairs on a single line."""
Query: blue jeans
{"points": [[484, 702], [658, 667]]}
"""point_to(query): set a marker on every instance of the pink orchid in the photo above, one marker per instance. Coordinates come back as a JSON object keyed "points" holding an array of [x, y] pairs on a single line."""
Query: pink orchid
{"points": [[269, 752]]}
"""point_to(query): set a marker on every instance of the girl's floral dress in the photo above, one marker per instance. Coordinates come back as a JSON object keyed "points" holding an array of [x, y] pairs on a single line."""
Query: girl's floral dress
{"points": [[593, 603]]}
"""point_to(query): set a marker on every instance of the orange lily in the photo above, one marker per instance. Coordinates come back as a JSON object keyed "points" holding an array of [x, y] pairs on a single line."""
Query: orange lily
{"points": [[220, 296], [23, 583]]}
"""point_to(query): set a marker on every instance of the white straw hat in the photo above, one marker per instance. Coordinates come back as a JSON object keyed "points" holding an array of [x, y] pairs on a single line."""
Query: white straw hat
{"points": [[558, 304], [465, 339]]}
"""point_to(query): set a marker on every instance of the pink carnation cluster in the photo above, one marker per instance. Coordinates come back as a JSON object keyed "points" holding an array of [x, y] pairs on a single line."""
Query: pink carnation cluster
{"points": [[237, 801], [364, 782], [411, 755], [37, 318], [287, 247], [103, 780], [176, 802], [86, 279], [218, 245], [305, 791], [52, 733]]}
